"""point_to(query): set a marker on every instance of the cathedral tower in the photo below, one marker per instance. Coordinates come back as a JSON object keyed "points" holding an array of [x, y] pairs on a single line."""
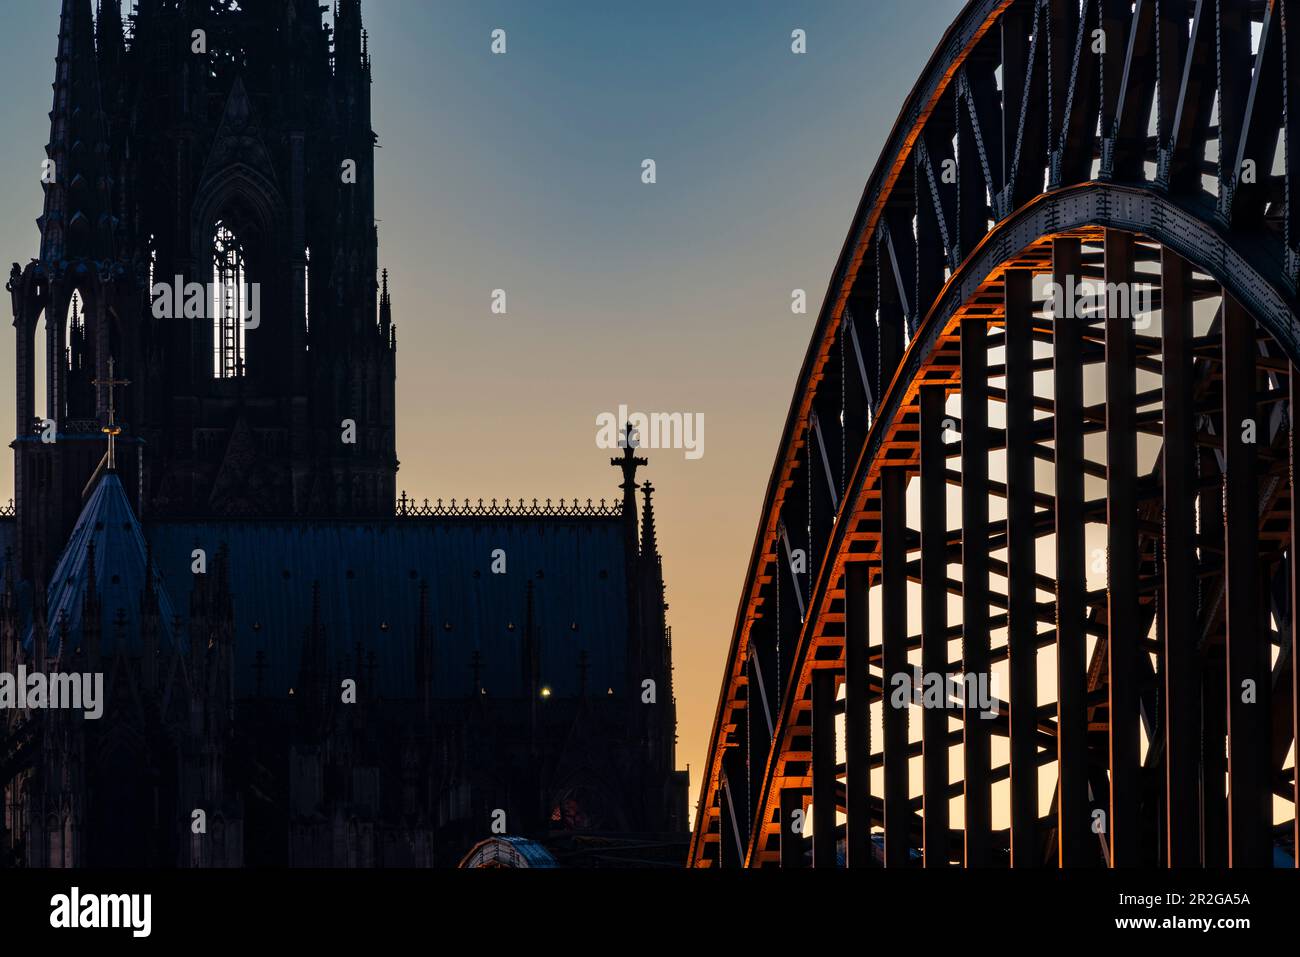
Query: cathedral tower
{"points": [[208, 224]]}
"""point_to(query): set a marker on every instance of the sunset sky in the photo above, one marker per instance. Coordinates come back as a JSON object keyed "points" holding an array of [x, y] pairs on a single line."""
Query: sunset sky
{"points": [[522, 172]]}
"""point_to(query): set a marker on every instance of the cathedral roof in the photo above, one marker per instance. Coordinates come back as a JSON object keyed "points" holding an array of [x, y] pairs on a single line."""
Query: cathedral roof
{"points": [[107, 547], [370, 574], [509, 851]]}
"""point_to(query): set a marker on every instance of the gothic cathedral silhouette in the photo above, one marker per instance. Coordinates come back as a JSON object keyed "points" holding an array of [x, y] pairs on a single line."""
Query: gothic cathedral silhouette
{"points": [[298, 667]]}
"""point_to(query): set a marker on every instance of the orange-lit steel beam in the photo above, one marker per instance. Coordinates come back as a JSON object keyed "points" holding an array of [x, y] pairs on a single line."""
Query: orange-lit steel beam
{"points": [[857, 715], [1248, 673], [976, 753], [794, 845], [1122, 606], [1214, 718], [1294, 584], [893, 542], [1181, 724], [1022, 632], [934, 624], [1076, 844], [823, 768]]}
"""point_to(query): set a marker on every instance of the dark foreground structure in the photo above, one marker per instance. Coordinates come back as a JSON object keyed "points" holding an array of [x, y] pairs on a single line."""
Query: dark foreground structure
{"points": [[1043, 449], [296, 670]]}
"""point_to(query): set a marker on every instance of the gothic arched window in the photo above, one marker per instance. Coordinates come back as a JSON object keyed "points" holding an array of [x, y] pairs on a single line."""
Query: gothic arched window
{"points": [[228, 279], [306, 292], [77, 391]]}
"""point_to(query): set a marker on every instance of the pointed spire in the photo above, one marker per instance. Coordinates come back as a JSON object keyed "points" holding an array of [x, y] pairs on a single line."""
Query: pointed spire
{"points": [[385, 307], [77, 219], [649, 540], [653, 654]]}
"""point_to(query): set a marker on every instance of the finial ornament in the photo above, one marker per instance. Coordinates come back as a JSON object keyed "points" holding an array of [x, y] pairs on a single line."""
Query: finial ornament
{"points": [[112, 430], [630, 461]]}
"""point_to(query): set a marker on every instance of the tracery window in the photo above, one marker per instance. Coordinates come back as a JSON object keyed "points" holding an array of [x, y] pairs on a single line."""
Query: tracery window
{"points": [[228, 281], [306, 291]]}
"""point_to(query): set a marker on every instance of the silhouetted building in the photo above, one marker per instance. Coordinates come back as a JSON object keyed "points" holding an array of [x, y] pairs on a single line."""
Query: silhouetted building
{"points": [[296, 671]]}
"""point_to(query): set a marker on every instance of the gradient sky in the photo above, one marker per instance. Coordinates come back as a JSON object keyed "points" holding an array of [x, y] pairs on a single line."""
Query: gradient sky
{"points": [[523, 172]]}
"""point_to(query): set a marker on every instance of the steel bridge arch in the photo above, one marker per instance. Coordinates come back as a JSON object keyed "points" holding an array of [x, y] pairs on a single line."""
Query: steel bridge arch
{"points": [[1017, 71]]}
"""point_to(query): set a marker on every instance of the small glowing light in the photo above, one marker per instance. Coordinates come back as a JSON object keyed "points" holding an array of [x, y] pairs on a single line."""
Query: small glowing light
{"points": [[546, 692]]}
